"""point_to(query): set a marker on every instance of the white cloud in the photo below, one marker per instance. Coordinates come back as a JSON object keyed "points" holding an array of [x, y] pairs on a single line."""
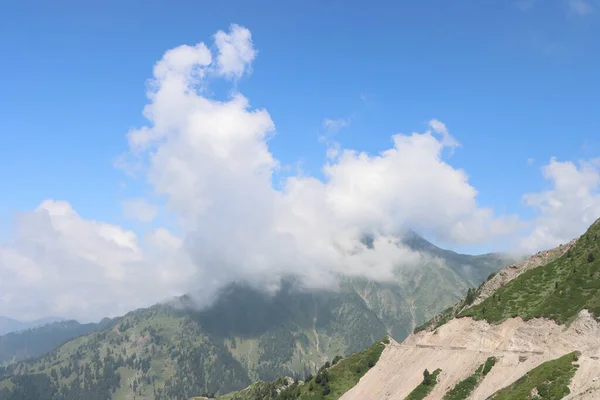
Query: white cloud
{"points": [[334, 125], [236, 51], [568, 208], [440, 128], [530, 161], [580, 7], [210, 161], [140, 210], [58, 263], [213, 166]]}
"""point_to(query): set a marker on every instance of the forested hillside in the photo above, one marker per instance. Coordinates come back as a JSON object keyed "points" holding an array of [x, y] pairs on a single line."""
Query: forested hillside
{"points": [[34, 342]]}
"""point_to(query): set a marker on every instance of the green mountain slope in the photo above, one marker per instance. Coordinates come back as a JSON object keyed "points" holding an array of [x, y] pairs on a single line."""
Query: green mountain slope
{"points": [[34, 342], [548, 381], [331, 381], [558, 290], [174, 352]]}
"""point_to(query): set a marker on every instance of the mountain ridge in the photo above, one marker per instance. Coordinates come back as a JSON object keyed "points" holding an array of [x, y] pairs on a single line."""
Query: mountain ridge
{"points": [[8, 325], [247, 336]]}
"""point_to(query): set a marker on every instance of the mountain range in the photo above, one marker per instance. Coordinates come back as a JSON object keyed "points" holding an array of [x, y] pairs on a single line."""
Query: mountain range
{"points": [[34, 342], [176, 351], [8, 325]]}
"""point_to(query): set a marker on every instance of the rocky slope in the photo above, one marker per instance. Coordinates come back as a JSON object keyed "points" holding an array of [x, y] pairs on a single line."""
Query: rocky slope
{"points": [[461, 345]]}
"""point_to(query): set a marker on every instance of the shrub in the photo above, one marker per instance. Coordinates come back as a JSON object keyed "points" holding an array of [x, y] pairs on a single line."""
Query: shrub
{"points": [[470, 297]]}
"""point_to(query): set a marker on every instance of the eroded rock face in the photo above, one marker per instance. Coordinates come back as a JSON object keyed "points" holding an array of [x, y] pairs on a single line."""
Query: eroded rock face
{"points": [[461, 345], [510, 272]]}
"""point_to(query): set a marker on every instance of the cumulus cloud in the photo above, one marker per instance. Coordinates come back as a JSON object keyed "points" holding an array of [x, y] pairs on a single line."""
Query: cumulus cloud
{"points": [[580, 7], [210, 161], [58, 263], [236, 51], [569, 207]]}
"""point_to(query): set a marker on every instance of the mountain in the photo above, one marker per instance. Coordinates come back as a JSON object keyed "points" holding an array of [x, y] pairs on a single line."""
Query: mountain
{"points": [[34, 342], [173, 351], [8, 325], [531, 331]]}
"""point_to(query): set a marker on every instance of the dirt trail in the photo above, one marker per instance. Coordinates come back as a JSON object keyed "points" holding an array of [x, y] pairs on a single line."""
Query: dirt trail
{"points": [[461, 345]]}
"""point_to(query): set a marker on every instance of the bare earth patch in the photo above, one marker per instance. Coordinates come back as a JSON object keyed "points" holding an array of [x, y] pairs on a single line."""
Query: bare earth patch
{"points": [[461, 345]]}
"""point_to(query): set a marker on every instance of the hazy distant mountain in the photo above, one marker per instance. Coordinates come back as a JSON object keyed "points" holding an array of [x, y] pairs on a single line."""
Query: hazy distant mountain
{"points": [[166, 352], [34, 342], [8, 325]]}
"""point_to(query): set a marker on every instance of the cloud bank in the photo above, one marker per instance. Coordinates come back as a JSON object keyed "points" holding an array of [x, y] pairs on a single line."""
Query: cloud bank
{"points": [[209, 162]]}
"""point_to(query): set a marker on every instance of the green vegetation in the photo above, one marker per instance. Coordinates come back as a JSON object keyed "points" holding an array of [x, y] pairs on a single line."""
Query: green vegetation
{"points": [[549, 380], [338, 379], [426, 386], [451, 312], [281, 389], [330, 383], [557, 290], [440, 319], [130, 357], [489, 364], [463, 389]]}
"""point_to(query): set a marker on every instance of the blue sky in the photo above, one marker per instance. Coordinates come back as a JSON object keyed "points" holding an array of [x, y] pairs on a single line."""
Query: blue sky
{"points": [[510, 84], [515, 82]]}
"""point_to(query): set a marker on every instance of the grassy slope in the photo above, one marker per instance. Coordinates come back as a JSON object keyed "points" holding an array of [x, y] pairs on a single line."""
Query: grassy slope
{"points": [[338, 378], [142, 334], [558, 290], [463, 389], [425, 387], [550, 380]]}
